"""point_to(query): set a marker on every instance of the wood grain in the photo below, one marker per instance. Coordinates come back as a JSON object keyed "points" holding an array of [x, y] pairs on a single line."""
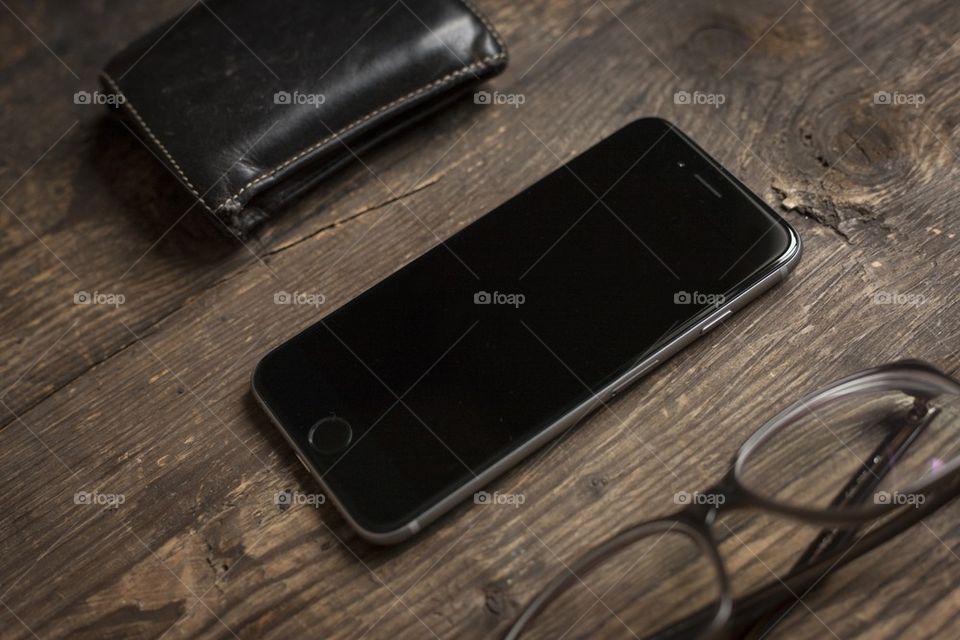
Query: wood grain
{"points": [[151, 400]]}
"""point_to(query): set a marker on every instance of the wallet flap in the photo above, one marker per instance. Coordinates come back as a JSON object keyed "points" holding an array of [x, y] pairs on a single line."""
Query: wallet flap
{"points": [[237, 96]]}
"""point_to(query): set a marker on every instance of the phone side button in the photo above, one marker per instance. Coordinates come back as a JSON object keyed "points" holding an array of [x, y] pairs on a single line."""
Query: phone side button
{"points": [[710, 324]]}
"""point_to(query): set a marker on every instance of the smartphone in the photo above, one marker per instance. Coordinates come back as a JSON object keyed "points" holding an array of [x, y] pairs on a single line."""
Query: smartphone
{"points": [[420, 391]]}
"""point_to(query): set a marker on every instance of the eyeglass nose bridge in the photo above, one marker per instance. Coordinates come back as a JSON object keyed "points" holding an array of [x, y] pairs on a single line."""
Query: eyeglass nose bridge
{"points": [[704, 507]]}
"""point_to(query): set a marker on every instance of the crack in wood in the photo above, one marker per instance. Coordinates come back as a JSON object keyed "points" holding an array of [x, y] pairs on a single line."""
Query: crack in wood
{"points": [[350, 218]]}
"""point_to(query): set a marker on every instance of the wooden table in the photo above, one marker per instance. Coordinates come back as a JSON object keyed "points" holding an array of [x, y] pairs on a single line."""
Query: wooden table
{"points": [[150, 400]]}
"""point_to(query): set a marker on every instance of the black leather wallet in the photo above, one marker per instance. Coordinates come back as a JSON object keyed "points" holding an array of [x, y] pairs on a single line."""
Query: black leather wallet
{"points": [[249, 103]]}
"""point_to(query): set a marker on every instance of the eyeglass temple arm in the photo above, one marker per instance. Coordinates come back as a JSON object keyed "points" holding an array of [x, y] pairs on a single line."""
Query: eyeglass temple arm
{"points": [[786, 589], [858, 489], [860, 486]]}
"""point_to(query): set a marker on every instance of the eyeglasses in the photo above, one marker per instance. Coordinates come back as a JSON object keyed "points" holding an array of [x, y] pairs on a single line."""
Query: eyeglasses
{"points": [[879, 448]]}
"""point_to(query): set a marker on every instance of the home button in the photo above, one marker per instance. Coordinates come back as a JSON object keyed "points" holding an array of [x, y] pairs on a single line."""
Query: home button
{"points": [[330, 435]]}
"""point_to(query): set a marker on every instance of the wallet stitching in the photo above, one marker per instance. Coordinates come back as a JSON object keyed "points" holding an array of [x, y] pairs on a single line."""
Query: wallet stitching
{"points": [[136, 114], [486, 23], [481, 64]]}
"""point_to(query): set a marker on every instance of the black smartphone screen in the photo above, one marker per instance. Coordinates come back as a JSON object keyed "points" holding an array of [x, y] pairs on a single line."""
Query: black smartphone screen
{"points": [[484, 341]]}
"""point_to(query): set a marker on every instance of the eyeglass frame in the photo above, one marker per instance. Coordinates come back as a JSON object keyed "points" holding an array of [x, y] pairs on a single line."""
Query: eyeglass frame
{"points": [[832, 549]]}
